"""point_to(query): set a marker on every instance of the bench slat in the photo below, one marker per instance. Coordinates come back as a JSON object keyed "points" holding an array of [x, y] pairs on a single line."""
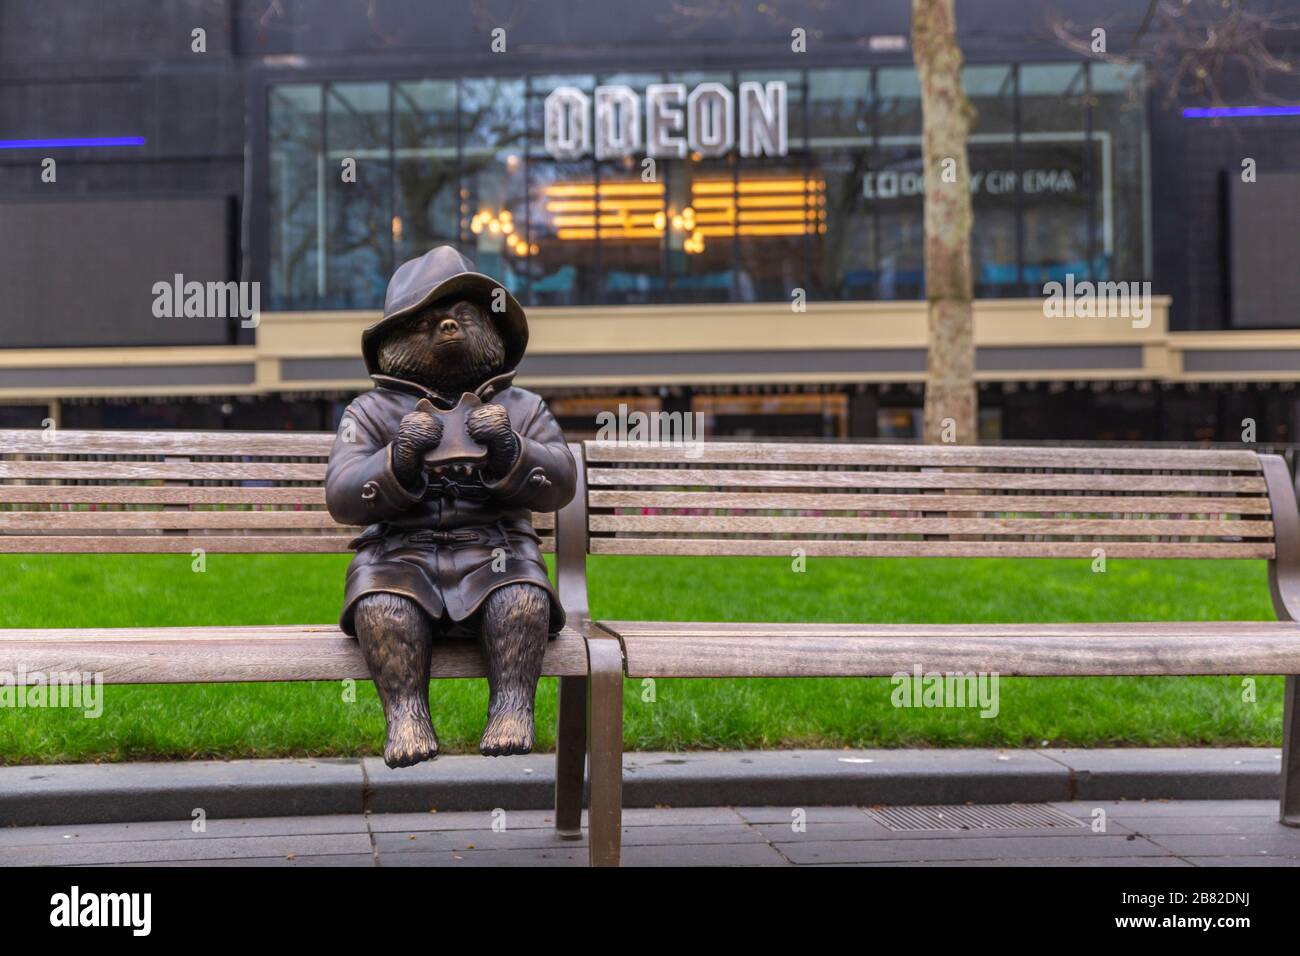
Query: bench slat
{"points": [[688, 649], [166, 470], [173, 544], [162, 495], [740, 524], [163, 520], [184, 544], [185, 655], [785, 547], [833, 501], [1055, 481], [19, 521], [829, 453], [30, 441]]}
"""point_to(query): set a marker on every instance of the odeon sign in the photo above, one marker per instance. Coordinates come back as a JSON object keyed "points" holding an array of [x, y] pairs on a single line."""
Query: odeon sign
{"points": [[709, 120]]}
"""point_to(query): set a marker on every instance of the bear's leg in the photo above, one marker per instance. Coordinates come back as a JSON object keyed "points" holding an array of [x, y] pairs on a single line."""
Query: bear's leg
{"points": [[513, 633], [397, 639]]}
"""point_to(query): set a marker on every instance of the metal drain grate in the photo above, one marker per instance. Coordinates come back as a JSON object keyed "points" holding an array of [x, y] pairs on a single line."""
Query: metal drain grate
{"points": [[992, 816]]}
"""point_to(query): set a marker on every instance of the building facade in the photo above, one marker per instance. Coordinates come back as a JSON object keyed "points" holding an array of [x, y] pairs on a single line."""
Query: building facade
{"points": [[702, 209]]}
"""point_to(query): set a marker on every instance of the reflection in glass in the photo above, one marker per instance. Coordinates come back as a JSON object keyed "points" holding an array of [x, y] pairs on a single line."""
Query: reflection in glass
{"points": [[297, 236], [358, 195]]}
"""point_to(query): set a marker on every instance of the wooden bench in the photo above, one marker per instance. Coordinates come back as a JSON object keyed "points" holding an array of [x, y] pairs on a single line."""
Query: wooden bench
{"points": [[824, 500], [173, 492]]}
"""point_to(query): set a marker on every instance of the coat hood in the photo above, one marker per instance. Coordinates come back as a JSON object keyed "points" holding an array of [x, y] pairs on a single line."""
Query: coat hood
{"points": [[439, 273]]}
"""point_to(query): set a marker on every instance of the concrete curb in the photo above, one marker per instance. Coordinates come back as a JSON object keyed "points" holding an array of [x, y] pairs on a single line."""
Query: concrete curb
{"points": [[133, 792]]}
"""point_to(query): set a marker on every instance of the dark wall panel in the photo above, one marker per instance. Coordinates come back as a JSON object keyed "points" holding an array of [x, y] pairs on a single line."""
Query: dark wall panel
{"points": [[82, 273], [1264, 251]]}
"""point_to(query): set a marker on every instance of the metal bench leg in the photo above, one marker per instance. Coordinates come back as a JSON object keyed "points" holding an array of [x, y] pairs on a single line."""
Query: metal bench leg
{"points": [[1291, 754], [605, 743], [570, 756]]}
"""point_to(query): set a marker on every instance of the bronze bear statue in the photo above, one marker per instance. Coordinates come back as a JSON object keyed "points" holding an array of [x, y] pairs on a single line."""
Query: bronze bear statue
{"points": [[444, 461]]}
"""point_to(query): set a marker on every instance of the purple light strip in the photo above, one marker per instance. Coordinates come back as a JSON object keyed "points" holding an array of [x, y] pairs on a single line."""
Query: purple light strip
{"points": [[79, 142], [1210, 112]]}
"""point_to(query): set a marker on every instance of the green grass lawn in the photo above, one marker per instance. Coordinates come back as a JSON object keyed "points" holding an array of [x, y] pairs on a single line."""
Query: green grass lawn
{"points": [[246, 720]]}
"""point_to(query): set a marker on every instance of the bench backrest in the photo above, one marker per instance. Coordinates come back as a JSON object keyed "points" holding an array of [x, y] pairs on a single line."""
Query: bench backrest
{"points": [[168, 492], [770, 498]]}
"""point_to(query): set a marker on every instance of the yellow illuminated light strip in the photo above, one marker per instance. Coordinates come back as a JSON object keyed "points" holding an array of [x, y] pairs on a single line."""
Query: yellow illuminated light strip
{"points": [[726, 186], [606, 222], [791, 229], [790, 206], [606, 205], [650, 233], [606, 189]]}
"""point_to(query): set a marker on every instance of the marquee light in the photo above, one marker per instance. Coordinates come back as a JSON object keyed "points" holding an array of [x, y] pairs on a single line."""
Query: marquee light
{"points": [[786, 206]]}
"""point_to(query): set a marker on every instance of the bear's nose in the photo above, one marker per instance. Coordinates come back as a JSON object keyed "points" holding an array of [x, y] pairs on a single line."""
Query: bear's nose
{"points": [[448, 327]]}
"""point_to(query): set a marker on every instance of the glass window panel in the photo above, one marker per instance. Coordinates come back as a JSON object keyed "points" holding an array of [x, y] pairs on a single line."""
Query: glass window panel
{"points": [[1118, 129], [632, 216], [894, 186], [839, 141], [701, 228], [562, 251], [295, 188], [427, 203], [992, 152], [359, 214], [494, 187], [779, 201], [1055, 172]]}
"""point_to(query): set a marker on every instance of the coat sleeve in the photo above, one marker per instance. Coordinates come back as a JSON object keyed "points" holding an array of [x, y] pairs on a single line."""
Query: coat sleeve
{"points": [[360, 486], [543, 476]]}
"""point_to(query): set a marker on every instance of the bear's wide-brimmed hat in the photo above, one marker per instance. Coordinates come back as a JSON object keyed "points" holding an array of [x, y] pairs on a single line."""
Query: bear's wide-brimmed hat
{"points": [[439, 273]]}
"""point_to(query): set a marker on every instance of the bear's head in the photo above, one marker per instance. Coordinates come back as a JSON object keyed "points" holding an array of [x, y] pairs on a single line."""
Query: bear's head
{"points": [[450, 346]]}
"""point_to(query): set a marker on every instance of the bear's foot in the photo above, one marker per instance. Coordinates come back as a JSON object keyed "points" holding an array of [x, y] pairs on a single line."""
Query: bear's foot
{"points": [[509, 731], [411, 740]]}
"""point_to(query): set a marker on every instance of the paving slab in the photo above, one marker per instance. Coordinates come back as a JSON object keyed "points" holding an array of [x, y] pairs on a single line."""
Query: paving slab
{"points": [[968, 847], [726, 854], [564, 856], [167, 851], [1284, 842], [776, 833], [1270, 861], [1072, 862], [1158, 826], [1146, 809], [326, 860], [179, 830]]}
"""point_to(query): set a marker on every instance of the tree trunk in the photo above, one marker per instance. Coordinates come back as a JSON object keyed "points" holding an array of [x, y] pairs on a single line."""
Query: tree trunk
{"points": [[947, 117]]}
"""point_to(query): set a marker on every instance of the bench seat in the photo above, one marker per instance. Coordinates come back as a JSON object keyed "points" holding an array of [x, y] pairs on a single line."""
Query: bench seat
{"points": [[709, 649], [187, 655]]}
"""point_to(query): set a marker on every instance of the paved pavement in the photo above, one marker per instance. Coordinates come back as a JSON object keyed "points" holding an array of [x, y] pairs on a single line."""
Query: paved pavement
{"points": [[130, 792], [1179, 833]]}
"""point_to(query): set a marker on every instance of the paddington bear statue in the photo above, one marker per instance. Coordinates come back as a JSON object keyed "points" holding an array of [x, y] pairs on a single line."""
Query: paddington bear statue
{"points": [[444, 461]]}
